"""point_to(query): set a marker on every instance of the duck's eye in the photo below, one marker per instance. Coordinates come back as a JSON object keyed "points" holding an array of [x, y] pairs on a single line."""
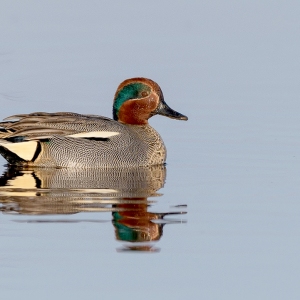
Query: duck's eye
{"points": [[144, 94]]}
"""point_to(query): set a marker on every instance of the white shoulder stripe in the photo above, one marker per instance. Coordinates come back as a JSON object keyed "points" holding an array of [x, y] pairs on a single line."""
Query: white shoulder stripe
{"points": [[94, 134]]}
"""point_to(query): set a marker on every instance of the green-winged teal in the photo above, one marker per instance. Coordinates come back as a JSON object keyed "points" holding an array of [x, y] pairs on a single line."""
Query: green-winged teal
{"points": [[66, 139]]}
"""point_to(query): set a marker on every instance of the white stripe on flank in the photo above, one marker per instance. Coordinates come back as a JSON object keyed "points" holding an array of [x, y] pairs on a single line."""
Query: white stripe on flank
{"points": [[24, 150], [94, 134]]}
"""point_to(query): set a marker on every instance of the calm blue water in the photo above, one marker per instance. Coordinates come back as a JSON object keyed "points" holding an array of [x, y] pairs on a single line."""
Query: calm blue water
{"points": [[233, 168]]}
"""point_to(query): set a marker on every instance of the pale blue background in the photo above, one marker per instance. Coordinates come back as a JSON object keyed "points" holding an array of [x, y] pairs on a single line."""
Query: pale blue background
{"points": [[233, 68]]}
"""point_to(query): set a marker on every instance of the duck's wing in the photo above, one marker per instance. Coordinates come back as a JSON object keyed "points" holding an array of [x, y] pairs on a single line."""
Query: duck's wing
{"points": [[40, 125], [21, 136]]}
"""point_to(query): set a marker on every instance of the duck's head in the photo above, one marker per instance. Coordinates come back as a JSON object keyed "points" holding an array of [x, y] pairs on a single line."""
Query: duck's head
{"points": [[138, 99]]}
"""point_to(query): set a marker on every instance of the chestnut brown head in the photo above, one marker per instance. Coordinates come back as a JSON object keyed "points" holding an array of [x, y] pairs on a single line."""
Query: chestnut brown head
{"points": [[138, 99]]}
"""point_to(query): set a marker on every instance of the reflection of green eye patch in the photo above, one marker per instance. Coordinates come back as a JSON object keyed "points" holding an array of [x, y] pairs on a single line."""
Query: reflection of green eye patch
{"points": [[125, 233], [130, 91]]}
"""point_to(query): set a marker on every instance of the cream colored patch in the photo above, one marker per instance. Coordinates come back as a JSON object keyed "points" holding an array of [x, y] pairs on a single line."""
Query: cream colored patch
{"points": [[94, 134], [24, 150], [26, 181], [20, 186]]}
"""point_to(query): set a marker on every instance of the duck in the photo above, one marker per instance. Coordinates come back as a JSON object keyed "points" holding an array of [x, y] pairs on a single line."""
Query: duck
{"points": [[72, 140]]}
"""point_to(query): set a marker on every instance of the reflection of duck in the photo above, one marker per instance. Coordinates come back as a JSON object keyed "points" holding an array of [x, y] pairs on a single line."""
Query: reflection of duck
{"points": [[74, 190], [89, 141], [124, 192]]}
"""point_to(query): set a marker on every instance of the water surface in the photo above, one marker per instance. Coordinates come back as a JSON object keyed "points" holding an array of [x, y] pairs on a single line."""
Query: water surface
{"points": [[233, 69]]}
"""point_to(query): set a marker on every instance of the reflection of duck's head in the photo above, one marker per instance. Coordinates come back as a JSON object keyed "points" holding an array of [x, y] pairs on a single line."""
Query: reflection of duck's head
{"points": [[138, 99], [133, 223]]}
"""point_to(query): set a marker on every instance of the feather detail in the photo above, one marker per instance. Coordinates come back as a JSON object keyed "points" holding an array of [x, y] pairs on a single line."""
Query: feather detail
{"points": [[27, 132], [38, 114], [4, 135]]}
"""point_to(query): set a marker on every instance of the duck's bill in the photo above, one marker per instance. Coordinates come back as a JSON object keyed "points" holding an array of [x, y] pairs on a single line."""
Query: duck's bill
{"points": [[167, 111]]}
